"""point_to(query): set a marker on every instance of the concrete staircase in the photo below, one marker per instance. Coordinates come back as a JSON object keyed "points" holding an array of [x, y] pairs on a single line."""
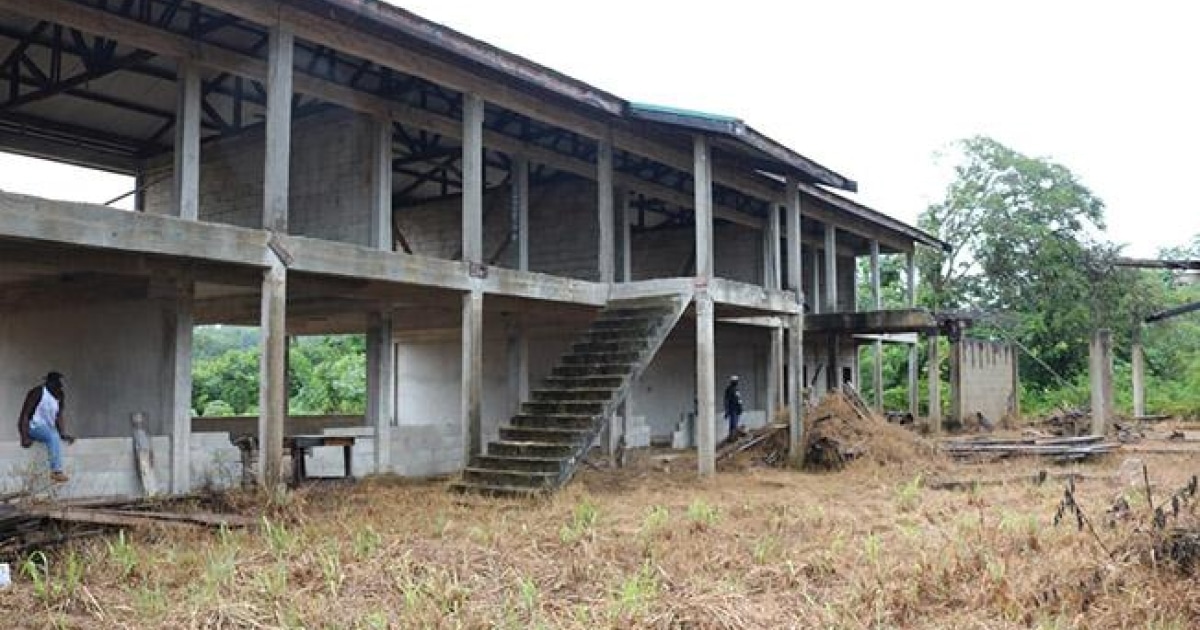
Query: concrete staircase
{"points": [[541, 447]]}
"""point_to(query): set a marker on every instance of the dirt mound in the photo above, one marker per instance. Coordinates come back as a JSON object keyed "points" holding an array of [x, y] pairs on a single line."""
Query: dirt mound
{"points": [[839, 431]]}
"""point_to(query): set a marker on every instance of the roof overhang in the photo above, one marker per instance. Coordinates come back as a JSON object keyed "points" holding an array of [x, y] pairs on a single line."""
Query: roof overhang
{"points": [[759, 151]]}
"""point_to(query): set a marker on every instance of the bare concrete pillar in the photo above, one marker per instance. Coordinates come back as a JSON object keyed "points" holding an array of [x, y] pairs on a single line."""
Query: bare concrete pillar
{"points": [[914, 394], [814, 301], [604, 210], [625, 221], [935, 384], [272, 391], [1102, 380], [381, 387], [772, 252], [1138, 359], [775, 371], [380, 229], [956, 379], [706, 368], [831, 269], [520, 177], [472, 374], [795, 355], [518, 365], [186, 189], [181, 321], [280, 51], [877, 302], [472, 176]]}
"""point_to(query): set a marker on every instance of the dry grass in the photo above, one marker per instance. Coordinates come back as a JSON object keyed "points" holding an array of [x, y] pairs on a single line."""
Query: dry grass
{"points": [[868, 547]]}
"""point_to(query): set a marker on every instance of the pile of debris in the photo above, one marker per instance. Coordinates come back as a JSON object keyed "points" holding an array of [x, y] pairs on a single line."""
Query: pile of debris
{"points": [[27, 526], [842, 428], [1060, 449]]}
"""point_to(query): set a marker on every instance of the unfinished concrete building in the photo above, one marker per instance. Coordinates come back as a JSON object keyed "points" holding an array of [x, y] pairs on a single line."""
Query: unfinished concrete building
{"points": [[529, 256]]}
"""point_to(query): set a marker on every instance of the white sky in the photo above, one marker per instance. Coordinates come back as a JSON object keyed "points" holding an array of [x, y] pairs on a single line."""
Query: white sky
{"points": [[875, 88]]}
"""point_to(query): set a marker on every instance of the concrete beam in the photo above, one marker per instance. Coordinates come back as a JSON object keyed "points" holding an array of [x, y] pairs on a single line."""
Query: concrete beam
{"points": [[280, 52], [872, 322], [186, 184], [751, 296]]}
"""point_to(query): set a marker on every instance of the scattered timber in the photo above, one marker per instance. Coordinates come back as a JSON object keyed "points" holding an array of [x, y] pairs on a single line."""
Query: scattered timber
{"points": [[1037, 479], [1056, 448]]}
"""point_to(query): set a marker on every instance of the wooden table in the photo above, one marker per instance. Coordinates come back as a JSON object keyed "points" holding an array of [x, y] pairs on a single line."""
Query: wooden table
{"points": [[299, 446]]}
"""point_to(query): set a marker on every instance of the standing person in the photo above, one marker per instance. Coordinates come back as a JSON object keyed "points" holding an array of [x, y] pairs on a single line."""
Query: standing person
{"points": [[733, 405], [42, 421]]}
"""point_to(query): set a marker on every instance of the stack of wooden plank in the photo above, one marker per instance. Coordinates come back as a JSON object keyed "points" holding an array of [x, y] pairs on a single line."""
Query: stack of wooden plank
{"points": [[25, 527], [1056, 448]]}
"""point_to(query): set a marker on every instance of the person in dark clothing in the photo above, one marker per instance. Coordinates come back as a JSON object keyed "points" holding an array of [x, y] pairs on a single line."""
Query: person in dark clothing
{"points": [[41, 420], [733, 405]]}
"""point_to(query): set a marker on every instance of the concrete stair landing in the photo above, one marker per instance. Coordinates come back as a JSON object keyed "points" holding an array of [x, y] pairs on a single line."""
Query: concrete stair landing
{"points": [[541, 447]]}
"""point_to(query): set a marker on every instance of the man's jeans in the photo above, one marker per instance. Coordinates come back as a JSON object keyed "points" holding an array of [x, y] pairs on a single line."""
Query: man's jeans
{"points": [[49, 436], [733, 421]]}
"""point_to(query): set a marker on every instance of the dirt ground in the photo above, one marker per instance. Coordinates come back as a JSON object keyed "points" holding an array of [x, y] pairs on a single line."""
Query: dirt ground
{"points": [[872, 546]]}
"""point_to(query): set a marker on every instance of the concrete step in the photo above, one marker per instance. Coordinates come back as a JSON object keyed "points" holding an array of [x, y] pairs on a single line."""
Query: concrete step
{"points": [[576, 358], [510, 478], [614, 334], [553, 436], [625, 323], [532, 464], [566, 407], [644, 312], [582, 392], [638, 345], [510, 492], [511, 448], [553, 421], [584, 382], [598, 369]]}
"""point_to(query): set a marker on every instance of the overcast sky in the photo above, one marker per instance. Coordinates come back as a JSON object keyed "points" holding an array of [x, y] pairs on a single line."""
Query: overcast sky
{"points": [[875, 89]]}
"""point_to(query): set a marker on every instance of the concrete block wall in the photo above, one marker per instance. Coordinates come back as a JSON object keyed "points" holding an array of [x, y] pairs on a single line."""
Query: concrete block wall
{"points": [[96, 467], [817, 369], [112, 354], [668, 253], [986, 379], [329, 179]]}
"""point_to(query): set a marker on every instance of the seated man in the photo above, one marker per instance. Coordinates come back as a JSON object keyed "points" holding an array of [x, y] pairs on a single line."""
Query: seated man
{"points": [[41, 420]]}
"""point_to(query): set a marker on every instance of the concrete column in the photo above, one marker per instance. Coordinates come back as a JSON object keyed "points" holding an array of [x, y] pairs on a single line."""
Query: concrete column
{"points": [[472, 175], [795, 355], [604, 210], [706, 384], [914, 395], [272, 392], [1101, 377], [831, 268], [702, 173], [180, 395], [772, 250], [625, 222], [706, 367], [814, 302], [472, 374], [186, 189], [280, 50], [1138, 358], [956, 377], [381, 187], [775, 370], [520, 183], [518, 364], [877, 301], [381, 387], [935, 392]]}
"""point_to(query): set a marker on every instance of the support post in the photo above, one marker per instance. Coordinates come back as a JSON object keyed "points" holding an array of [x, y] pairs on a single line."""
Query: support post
{"points": [[380, 387], [604, 210], [280, 51], [472, 374], [381, 187], [472, 175], [626, 236], [877, 302], [1138, 358], [272, 391], [186, 190], [775, 370], [1101, 377], [772, 258], [795, 323], [520, 183], [180, 396], [518, 365], [706, 367], [914, 394], [815, 300], [935, 392], [831, 269]]}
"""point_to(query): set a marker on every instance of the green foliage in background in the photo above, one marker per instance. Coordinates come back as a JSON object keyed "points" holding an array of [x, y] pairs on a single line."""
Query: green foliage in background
{"points": [[327, 374]]}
